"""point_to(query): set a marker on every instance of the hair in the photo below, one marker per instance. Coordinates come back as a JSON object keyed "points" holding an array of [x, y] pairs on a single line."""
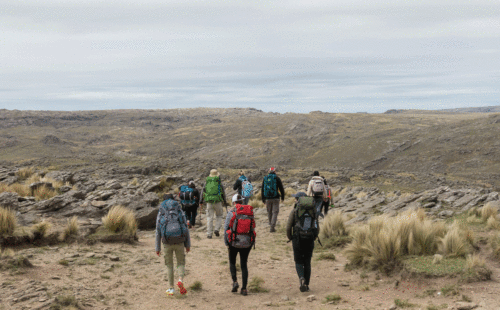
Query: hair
{"points": [[242, 172], [316, 173], [191, 184], [168, 196]]}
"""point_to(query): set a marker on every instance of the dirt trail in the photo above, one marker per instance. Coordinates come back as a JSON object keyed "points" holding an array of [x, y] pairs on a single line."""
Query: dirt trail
{"points": [[121, 276]]}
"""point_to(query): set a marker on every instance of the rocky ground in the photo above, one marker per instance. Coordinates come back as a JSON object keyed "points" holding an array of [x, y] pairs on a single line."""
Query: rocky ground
{"points": [[121, 276]]}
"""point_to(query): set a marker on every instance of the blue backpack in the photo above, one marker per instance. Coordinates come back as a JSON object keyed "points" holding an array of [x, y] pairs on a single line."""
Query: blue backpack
{"points": [[270, 186], [171, 223], [246, 187], [187, 196]]}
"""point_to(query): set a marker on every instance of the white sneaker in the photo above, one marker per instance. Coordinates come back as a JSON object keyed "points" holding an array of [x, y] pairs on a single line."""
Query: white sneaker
{"points": [[170, 292]]}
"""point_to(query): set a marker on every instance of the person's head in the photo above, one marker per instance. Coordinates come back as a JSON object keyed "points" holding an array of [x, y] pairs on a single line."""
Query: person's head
{"points": [[316, 173], [237, 199], [191, 184], [298, 195], [168, 196], [272, 170], [242, 172], [214, 173]]}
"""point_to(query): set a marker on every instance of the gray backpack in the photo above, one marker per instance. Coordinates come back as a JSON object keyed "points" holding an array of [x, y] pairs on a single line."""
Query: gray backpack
{"points": [[173, 228]]}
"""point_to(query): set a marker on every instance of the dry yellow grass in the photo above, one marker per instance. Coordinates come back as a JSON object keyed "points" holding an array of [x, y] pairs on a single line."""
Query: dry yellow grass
{"points": [[455, 242], [43, 193], [494, 243], [437, 259], [333, 225], [8, 253], [474, 261], [487, 211], [134, 182], [71, 229], [256, 203], [289, 191], [361, 195], [8, 221], [384, 239], [41, 228], [25, 172], [33, 179], [120, 220], [21, 189], [492, 223]]}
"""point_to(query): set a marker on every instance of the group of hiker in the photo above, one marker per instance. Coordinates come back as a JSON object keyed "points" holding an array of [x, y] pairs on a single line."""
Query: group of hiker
{"points": [[177, 214]]}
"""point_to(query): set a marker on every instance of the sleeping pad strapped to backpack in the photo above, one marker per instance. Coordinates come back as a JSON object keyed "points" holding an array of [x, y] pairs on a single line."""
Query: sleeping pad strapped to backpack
{"points": [[187, 196], [213, 191], [306, 226], [173, 228], [241, 232]]}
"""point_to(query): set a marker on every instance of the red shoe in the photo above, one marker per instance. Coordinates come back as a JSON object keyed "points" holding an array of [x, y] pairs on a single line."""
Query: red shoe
{"points": [[182, 289]]}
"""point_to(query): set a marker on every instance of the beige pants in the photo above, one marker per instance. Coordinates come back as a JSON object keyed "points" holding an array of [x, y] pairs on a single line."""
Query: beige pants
{"points": [[214, 209], [273, 209], [180, 256]]}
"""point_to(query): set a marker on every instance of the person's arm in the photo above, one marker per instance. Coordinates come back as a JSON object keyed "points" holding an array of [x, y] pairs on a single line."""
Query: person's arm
{"points": [[325, 192], [187, 242], [223, 193], [262, 191], [202, 194], [158, 235], [226, 226], [289, 224], [237, 184], [309, 190], [281, 189]]}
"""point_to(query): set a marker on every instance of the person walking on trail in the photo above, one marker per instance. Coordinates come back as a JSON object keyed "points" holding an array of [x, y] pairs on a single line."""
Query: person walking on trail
{"points": [[270, 196], [244, 187], [172, 231], [327, 200], [190, 201], [213, 194], [302, 229], [316, 189], [239, 236]]}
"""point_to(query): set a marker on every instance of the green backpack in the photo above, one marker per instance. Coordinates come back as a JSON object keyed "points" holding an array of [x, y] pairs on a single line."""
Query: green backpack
{"points": [[306, 221], [213, 190]]}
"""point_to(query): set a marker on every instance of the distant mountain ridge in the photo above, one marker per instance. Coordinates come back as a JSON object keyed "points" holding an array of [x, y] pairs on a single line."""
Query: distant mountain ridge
{"points": [[488, 109]]}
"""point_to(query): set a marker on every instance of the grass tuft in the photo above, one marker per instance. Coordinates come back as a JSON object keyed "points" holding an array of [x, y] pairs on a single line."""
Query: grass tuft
{"points": [[41, 228], [333, 298], [403, 303], [44, 193], [255, 285], [492, 223], [438, 258], [326, 256], [196, 286], [476, 270], [487, 211], [120, 220], [455, 242], [8, 221], [25, 172], [71, 229]]}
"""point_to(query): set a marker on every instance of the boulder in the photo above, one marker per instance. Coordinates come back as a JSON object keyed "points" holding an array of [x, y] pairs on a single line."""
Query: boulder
{"points": [[146, 217], [113, 184], [9, 200], [446, 214], [62, 176]]}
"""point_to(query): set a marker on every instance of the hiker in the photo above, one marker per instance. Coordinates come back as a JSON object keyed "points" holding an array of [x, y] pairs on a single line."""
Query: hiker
{"points": [[244, 187], [316, 189], [214, 196], [239, 236], [172, 230], [302, 229], [190, 199], [270, 196], [327, 200]]}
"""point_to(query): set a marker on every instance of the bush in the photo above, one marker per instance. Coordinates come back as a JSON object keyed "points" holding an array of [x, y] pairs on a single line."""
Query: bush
{"points": [[120, 220], [41, 228], [384, 240], [255, 285], [71, 229], [476, 270], [8, 221], [44, 193], [492, 223], [333, 225], [25, 173], [455, 242], [487, 211]]}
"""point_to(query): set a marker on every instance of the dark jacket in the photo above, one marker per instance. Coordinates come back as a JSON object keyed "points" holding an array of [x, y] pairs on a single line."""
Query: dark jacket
{"points": [[291, 223], [238, 185], [280, 190], [223, 193]]}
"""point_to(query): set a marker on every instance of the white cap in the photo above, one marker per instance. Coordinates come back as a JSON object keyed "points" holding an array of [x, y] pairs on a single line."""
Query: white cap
{"points": [[237, 197]]}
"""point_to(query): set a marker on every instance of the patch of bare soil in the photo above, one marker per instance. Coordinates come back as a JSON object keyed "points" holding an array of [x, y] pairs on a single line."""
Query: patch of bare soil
{"points": [[131, 276]]}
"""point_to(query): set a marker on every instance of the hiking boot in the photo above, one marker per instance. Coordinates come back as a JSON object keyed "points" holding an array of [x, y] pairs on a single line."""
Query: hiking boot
{"points": [[303, 286], [272, 229], [235, 287], [189, 224], [216, 233], [182, 289], [307, 288], [170, 292], [209, 236], [244, 292]]}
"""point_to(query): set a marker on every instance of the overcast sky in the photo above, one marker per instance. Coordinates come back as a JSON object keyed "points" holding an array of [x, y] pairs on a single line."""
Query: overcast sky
{"points": [[299, 56]]}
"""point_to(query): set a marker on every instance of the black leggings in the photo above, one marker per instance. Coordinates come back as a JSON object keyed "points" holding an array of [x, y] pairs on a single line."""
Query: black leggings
{"points": [[191, 214], [243, 262], [302, 254]]}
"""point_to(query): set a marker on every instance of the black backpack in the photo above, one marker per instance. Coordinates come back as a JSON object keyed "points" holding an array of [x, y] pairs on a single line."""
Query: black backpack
{"points": [[306, 221]]}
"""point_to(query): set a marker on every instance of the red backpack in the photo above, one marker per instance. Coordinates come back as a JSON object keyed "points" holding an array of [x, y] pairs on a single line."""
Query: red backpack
{"points": [[241, 232]]}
